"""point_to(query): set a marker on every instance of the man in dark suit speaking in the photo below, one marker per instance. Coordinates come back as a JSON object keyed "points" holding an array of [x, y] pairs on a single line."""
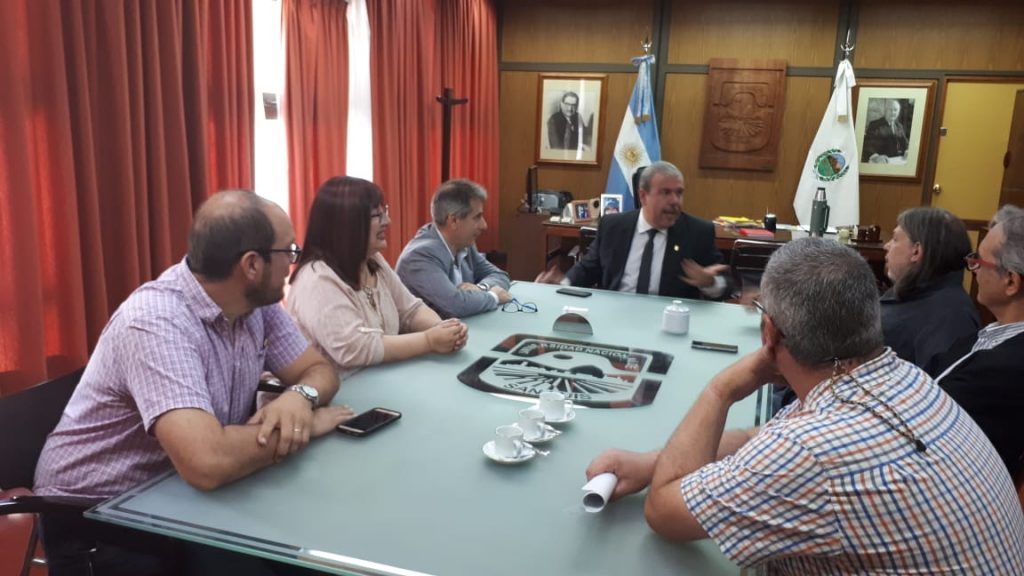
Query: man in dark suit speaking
{"points": [[655, 250]]}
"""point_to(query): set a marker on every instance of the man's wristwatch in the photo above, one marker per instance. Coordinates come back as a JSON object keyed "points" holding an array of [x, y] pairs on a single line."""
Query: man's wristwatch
{"points": [[484, 287], [307, 392]]}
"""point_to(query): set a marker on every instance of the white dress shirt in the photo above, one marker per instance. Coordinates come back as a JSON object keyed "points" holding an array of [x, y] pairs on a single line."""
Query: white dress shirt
{"points": [[636, 251], [457, 260], [988, 338]]}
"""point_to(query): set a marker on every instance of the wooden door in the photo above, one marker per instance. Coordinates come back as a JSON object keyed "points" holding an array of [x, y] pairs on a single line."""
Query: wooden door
{"points": [[969, 169], [1012, 191]]}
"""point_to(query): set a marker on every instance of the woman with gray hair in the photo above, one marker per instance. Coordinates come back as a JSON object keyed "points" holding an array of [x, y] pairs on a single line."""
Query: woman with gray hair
{"points": [[927, 309]]}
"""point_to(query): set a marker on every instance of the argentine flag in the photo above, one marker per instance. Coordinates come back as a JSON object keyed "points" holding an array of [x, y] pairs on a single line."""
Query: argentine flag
{"points": [[833, 162], [638, 144]]}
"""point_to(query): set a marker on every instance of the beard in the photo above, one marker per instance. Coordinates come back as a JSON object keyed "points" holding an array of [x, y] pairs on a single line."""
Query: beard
{"points": [[263, 293]]}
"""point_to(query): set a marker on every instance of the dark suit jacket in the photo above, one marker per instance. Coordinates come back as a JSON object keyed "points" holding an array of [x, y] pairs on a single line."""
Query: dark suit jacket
{"points": [[879, 138], [930, 320], [605, 261], [990, 387], [557, 123]]}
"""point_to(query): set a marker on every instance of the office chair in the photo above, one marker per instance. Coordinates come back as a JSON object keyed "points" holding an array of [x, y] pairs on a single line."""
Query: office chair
{"points": [[587, 236], [748, 260], [636, 185], [26, 418]]}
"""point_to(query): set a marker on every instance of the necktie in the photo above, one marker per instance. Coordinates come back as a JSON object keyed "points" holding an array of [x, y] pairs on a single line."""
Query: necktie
{"points": [[644, 280], [567, 137]]}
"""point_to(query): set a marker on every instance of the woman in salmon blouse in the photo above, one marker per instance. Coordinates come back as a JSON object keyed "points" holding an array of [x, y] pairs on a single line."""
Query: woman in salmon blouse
{"points": [[347, 299]]}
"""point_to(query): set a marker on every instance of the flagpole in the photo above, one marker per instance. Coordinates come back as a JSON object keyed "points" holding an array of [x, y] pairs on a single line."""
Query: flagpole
{"points": [[847, 48]]}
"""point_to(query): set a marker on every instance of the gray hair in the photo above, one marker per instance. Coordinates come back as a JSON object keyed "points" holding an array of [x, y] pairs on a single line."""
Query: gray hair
{"points": [[659, 167], [823, 297], [1010, 254], [455, 197]]}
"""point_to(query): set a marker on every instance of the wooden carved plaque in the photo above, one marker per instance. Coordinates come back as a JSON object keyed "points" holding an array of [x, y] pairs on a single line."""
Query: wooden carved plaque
{"points": [[743, 116]]}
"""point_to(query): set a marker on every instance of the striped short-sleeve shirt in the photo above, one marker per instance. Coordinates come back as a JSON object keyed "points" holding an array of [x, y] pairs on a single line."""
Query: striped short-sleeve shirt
{"points": [[828, 487], [168, 346]]}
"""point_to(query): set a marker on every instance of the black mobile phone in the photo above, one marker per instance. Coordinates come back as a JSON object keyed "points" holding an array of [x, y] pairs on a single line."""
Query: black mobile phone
{"points": [[731, 348], [368, 422], [574, 292]]}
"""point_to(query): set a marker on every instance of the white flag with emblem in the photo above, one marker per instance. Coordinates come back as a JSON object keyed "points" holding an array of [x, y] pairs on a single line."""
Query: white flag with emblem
{"points": [[832, 161]]}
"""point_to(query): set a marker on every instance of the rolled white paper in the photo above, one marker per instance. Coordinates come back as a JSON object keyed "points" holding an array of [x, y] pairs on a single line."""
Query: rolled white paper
{"points": [[598, 491]]}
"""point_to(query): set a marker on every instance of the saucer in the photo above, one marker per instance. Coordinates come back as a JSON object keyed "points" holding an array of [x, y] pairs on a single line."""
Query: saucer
{"points": [[526, 453], [569, 416], [548, 435]]}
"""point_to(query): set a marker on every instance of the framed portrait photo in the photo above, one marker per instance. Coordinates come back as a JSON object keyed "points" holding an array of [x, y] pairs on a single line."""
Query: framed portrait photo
{"points": [[582, 211], [893, 123], [611, 204], [570, 118]]}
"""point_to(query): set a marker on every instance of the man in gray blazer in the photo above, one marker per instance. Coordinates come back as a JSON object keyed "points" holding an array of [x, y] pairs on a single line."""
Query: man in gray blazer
{"points": [[441, 264]]}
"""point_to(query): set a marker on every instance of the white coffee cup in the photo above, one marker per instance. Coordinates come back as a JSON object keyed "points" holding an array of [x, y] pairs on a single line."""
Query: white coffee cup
{"points": [[508, 441], [554, 405], [531, 420], [676, 318]]}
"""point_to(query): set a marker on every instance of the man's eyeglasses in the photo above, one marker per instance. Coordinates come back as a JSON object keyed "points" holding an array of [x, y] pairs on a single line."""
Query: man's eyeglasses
{"points": [[975, 261], [514, 305], [293, 251], [760, 308], [383, 214]]}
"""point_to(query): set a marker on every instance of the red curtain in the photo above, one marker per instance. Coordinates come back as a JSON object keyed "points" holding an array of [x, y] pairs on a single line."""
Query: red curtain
{"points": [[405, 80], [315, 100], [468, 32], [118, 118]]}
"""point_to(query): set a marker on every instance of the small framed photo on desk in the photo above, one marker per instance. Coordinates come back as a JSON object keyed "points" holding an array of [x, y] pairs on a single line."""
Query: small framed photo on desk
{"points": [[581, 211], [611, 204]]}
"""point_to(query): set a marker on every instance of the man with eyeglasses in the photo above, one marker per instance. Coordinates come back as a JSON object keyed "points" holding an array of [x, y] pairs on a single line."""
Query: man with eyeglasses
{"points": [[872, 470], [172, 382], [441, 264], [984, 373]]}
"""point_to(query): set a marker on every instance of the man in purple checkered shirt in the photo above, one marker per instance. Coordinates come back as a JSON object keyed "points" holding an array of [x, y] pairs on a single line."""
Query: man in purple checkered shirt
{"points": [[172, 382], [874, 470]]}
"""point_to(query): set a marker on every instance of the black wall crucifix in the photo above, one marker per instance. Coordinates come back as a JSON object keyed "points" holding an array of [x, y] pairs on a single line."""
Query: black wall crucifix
{"points": [[447, 101]]}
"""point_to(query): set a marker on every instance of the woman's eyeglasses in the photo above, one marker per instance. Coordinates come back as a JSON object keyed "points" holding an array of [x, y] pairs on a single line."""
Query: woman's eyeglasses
{"points": [[381, 215], [514, 305], [975, 261]]}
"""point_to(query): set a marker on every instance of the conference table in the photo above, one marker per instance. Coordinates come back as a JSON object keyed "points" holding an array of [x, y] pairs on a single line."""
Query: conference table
{"points": [[420, 497]]}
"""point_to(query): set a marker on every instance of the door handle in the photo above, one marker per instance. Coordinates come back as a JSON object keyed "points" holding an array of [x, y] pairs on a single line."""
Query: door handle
{"points": [[936, 190]]}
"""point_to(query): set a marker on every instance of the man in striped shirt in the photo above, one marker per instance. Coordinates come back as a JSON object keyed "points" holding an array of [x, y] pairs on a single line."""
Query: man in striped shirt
{"points": [[872, 470], [985, 373]]}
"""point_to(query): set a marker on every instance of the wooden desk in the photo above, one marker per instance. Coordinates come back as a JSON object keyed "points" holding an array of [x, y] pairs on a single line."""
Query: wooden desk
{"points": [[568, 235]]}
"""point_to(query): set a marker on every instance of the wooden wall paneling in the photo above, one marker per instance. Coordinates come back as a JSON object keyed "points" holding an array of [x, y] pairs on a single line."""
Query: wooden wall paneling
{"points": [[802, 32], [940, 35], [520, 234], [881, 202], [599, 31], [713, 192]]}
